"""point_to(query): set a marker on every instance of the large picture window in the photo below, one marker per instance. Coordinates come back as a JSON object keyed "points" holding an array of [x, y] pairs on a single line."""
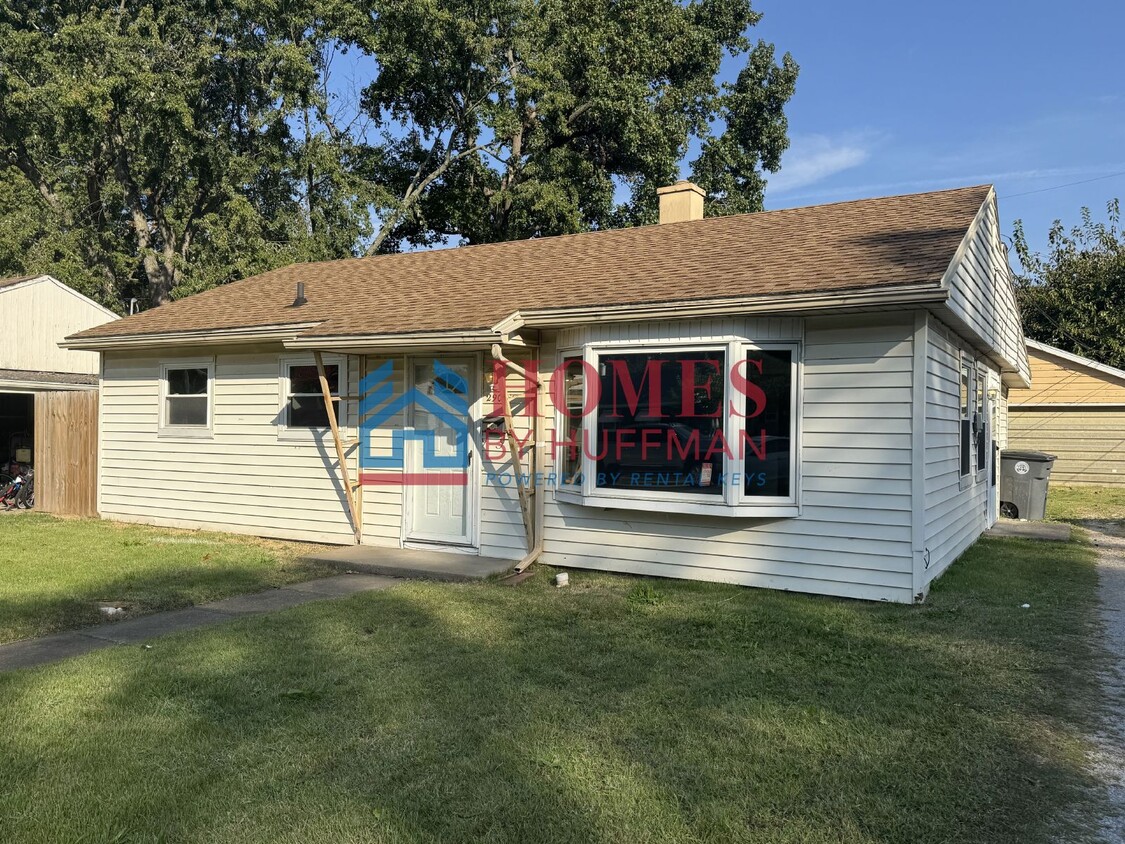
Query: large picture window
{"points": [[660, 421], [707, 428]]}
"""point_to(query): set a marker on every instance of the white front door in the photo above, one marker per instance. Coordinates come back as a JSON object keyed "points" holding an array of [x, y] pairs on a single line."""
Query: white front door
{"points": [[441, 495]]}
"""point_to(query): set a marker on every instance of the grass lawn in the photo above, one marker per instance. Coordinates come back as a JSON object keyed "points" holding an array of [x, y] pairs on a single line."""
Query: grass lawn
{"points": [[54, 572], [616, 710], [1068, 503]]}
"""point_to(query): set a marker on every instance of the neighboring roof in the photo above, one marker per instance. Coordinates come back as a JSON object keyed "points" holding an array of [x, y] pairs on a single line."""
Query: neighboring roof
{"points": [[8, 282], [868, 244], [1105, 369], [37, 378]]}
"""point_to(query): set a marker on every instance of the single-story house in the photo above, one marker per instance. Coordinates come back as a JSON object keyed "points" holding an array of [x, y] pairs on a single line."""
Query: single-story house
{"points": [[48, 395], [1074, 409], [805, 399]]}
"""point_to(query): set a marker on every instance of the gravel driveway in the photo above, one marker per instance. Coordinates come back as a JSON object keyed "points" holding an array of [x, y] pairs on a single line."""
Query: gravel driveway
{"points": [[1108, 762]]}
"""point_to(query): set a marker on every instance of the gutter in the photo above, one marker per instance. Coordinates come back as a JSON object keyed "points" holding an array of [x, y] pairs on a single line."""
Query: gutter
{"points": [[207, 337], [42, 386], [928, 293], [363, 342]]}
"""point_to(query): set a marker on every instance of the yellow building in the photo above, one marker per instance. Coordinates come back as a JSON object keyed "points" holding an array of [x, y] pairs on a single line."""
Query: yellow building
{"points": [[1075, 409]]}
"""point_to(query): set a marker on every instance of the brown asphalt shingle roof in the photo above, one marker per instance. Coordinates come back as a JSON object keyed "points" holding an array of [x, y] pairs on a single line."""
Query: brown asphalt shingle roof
{"points": [[869, 243], [8, 282], [40, 375]]}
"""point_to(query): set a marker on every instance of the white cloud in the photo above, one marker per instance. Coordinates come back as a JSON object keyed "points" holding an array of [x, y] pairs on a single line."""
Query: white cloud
{"points": [[813, 158]]}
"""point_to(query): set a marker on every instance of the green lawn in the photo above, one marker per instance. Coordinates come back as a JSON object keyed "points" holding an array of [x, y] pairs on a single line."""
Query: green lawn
{"points": [[1068, 503], [54, 572], [616, 710]]}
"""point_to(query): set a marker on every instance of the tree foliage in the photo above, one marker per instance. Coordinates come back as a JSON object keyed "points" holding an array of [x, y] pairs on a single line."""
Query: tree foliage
{"points": [[158, 140], [152, 148], [1074, 296], [508, 119]]}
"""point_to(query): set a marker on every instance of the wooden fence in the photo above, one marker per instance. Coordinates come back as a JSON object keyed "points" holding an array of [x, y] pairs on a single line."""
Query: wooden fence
{"points": [[66, 452]]}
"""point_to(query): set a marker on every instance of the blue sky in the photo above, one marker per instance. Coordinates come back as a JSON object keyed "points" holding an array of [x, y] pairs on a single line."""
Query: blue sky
{"points": [[899, 97]]}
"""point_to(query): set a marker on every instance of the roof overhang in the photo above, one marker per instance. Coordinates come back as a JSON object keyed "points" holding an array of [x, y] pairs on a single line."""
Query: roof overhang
{"points": [[207, 337], [297, 337], [845, 300], [8, 385]]}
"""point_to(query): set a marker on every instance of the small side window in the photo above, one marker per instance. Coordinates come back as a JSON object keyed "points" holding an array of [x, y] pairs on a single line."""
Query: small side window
{"points": [[981, 424], [304, 401], [966, 418], [186, 390]]}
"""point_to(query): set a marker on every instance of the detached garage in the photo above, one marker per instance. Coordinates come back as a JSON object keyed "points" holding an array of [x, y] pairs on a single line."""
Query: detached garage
{"points": [[49, 395], [1075, 409]]}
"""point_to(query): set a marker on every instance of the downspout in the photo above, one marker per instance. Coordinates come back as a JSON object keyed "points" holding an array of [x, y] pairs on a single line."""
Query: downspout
{"points": [[534, 524]]}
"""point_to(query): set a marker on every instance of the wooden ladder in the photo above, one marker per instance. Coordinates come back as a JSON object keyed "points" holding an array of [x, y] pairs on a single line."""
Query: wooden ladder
{"points": [[350, 489]]}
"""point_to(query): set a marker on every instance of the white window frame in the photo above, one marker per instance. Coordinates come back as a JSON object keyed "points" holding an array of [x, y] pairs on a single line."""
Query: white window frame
{"points": [[965, 414], [164, 428], [733, 501], [300, 432], [981, 433]]}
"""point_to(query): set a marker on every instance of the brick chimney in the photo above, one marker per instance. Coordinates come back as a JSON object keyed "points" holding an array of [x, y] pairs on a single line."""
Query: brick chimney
{"points": [[680, 202]]}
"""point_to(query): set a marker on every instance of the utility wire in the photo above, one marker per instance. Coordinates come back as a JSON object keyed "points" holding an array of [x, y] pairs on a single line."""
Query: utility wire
{"points": [[1067, 185]]}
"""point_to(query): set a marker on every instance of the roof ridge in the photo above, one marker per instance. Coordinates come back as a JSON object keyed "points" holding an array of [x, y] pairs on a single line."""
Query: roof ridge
{"points": [[629, 229]]}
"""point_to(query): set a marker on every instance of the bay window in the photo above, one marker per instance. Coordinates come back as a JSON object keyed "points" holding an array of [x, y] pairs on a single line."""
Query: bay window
{"points": [[708, 428]]}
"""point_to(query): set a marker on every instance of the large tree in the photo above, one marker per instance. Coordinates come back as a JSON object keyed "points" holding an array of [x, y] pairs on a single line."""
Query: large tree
{"points": [[153, 148], [158, 144], [503, 119], [1073, 297]]}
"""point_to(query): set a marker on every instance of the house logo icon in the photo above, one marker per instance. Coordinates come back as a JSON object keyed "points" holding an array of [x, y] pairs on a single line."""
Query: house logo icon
{"points": [[442, 403]]}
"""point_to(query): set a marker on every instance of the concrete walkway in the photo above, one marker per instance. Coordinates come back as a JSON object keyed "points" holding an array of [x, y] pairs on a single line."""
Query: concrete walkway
{"points": [[418, 563], [1048, 531], [32, 652], [1108, 761]]}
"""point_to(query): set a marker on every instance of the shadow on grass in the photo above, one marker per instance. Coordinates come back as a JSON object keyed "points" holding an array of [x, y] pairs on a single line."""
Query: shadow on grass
{"points": [[58, 571], [477, 713]]}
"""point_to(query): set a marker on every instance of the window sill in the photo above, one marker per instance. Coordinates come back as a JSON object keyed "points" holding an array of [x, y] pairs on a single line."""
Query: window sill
{"points": [[185, 434], [307, 435], [685, 507]]}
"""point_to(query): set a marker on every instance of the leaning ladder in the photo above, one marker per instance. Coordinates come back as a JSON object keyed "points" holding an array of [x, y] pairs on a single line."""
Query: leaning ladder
{"points": [[354, 500]]}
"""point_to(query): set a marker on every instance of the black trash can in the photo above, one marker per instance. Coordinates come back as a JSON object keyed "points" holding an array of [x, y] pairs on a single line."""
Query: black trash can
{"points": [[1024, 476]]}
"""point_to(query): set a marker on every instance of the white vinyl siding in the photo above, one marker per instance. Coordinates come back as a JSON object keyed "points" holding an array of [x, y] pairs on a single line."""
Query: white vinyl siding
{"points": [[853, 537], [241, 479], [982, 294], [956, 506]]}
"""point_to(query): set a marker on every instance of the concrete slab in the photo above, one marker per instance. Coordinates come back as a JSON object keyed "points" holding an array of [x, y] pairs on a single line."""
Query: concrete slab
{"points": [[343, 585], [417, 563], [32, 652], [259, 602], [1045, 531], [147, 627]]}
